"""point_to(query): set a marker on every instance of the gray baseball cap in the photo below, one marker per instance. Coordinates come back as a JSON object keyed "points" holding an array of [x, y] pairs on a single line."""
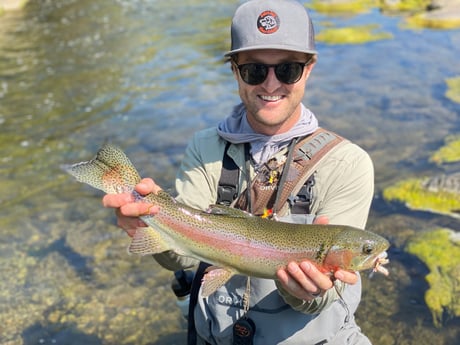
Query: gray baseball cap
{"points": [[272, 24]]}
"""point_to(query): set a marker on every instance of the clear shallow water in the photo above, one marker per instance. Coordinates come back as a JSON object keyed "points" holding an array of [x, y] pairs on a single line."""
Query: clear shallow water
{"points": [[145, 75]]}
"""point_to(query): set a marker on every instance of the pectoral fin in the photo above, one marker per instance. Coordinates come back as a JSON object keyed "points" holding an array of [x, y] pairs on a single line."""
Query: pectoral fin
{"points": [[214, 278], [147, 241]]}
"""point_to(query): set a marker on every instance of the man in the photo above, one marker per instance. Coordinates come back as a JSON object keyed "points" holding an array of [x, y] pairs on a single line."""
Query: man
{"points": [[272, 56]]}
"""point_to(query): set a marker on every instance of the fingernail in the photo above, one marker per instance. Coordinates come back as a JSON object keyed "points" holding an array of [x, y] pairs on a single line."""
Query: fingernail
{"points": [[292, 267]]}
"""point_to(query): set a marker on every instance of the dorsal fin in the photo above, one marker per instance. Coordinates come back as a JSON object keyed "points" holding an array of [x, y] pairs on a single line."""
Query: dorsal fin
{"points": [[227, 211]]}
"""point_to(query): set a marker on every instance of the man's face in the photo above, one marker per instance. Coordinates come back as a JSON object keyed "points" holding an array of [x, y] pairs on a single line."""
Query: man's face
{"points": [[272, 106]]}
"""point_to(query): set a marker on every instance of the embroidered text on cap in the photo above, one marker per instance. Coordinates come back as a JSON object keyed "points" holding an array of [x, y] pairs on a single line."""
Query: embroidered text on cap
{"points": [[268, 22]]}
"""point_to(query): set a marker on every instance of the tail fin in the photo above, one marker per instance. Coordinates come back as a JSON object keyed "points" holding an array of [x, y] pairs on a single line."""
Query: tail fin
{"points": [[110, 171]]}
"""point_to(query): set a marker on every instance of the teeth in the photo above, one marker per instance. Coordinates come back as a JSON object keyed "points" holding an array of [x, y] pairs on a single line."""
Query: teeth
{"points": [[271, 98]]}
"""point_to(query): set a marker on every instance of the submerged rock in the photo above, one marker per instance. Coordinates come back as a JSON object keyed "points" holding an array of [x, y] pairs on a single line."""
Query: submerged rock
{"points": [[449, 183]]}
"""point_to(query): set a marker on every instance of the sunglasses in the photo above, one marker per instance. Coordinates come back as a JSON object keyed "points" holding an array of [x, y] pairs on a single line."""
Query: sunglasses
{"points": [[287, 72]]}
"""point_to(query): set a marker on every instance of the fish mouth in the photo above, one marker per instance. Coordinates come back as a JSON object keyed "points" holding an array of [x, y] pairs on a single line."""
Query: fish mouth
{"points": [[380, 260], [374, 262]]}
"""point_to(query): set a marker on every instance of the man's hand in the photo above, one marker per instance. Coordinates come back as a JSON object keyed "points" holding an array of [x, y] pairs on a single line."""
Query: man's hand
{"points": [[127, 210], [304, 280]]}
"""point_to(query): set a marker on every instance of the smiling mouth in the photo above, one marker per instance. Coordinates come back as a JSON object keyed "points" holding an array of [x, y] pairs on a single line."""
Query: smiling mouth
{"points": [[271, 98]]}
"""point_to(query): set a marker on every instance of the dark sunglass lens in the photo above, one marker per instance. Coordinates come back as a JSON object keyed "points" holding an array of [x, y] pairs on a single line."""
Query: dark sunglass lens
{"points": [[289, 73], [253, 73]]}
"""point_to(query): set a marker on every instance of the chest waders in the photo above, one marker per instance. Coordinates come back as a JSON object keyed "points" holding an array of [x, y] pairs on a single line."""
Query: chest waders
{"points": [[270, 192]]}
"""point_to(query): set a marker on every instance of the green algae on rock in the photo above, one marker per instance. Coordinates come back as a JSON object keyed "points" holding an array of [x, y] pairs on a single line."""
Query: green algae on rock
{"points": [[404, 5], [342, 6], [440, 251], [434, 21], [453, 89], [450, 152], [416, 195], [352, 35]]}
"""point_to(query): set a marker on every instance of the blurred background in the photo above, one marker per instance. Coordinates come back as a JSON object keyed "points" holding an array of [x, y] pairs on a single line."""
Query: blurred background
{"points": [[145, 75]]}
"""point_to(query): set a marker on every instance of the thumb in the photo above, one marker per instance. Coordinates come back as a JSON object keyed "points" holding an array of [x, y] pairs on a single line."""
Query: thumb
{"points": [[322, 220]]}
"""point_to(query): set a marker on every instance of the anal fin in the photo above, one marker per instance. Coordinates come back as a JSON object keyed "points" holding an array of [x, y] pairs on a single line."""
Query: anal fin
{"points": [[213, 279]]}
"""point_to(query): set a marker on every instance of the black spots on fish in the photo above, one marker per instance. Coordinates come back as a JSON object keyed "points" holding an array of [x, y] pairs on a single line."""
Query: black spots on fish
{"points": [[321, 253], [112, 156], [110, 171]]}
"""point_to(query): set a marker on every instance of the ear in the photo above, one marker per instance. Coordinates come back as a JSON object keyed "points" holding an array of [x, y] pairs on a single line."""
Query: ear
{"points": [[309, 68]]}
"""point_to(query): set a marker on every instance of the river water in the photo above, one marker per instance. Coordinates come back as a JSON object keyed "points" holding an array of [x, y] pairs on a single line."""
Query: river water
{"points": [[146, 74]]}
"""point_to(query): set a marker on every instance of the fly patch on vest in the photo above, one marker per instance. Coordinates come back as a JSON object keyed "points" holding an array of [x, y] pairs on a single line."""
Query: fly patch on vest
{"points": [[269, 185]]}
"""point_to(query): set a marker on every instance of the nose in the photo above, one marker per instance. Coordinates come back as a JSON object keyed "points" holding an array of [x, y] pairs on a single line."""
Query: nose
{"points": [[271, 83]]}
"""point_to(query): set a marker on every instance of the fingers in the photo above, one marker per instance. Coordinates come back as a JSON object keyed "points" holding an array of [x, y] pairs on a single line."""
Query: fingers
{"points": [[346, 276], [146, 186], [117, 200], [126, 204], [322, 220], [137, 209], [304, 280], [128, 210]]}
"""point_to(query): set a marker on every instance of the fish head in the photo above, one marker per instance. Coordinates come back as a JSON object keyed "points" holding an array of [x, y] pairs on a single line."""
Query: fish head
{"points": [[357, 250]]}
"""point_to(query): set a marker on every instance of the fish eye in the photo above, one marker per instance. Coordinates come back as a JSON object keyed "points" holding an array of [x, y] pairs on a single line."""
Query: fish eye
{"points": [[368, 248]]}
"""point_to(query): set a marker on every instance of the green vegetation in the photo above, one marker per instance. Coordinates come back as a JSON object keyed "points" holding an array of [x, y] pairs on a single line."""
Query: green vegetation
{"points": [[440, 251], [352, 35], [340, 7], [404, 5], [416, 196], [422, 20], [450, 153], [453, 88]]}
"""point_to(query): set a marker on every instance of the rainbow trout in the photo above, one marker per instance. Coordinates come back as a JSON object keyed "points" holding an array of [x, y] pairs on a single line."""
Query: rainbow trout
{"points": [[233, 241]]}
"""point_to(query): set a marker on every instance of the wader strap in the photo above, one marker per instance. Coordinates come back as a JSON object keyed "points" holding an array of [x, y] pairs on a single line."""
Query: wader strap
{"points": [[194, 292], [227, 190]]}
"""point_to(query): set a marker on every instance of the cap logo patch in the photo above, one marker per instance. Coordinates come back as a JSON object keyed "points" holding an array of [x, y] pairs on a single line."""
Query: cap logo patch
{"points": [[268, 22]]}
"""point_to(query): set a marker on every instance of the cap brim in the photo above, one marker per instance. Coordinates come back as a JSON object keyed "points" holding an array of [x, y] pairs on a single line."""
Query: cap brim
{"points": [[277, 47]]}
